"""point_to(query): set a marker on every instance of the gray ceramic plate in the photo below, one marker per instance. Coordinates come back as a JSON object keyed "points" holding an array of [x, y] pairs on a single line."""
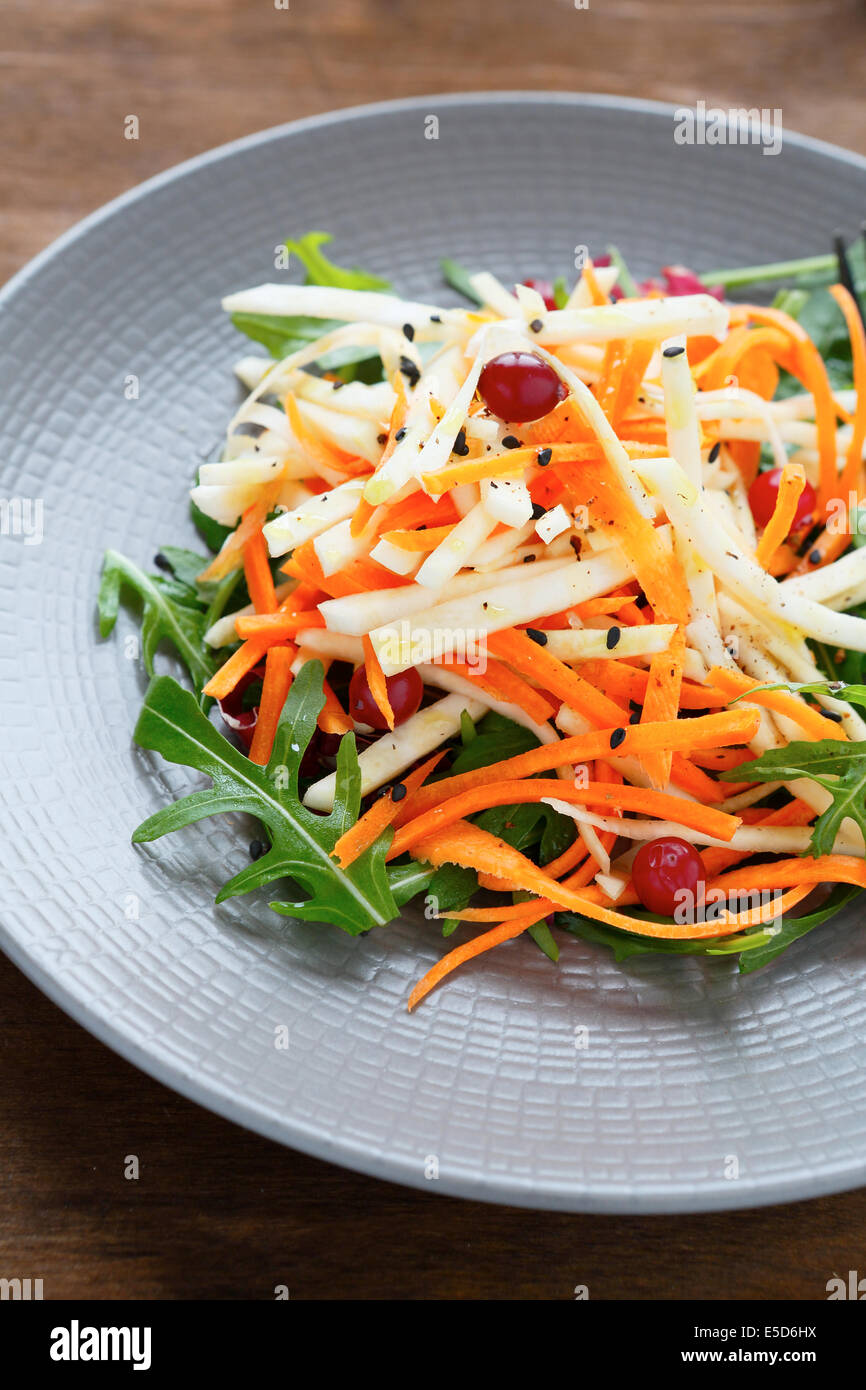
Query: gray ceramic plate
{"points": [[691, 1074]]}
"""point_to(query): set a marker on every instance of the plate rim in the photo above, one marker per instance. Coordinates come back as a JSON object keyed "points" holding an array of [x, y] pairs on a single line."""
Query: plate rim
{"points": [[287, 1130]]}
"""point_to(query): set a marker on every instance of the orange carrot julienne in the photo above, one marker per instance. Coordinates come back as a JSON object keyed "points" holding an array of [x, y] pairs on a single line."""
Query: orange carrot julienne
{"points": [[791, 873], [706, 731], [248, 655], [279, 624], [257, 572], [596, 486], [230, 556], [590, 279], [781, 701], [499, 680], [850, 478], [791, 485], [333, 719], [661, 702], [716, 824], [275, 688], [458, 845], [418, 540], [531, 659], [377, 682], [381, 814]]}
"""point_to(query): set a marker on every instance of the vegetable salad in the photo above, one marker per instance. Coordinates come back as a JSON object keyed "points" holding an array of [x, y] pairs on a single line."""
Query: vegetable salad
{"points": [[548, 611]]}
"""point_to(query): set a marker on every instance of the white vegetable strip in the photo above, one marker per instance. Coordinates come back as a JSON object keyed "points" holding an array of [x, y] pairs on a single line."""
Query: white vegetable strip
{"points": [[590, 644], [457, 549], [653, 319], [326, 302], [358, 613], [756, 839], [680, 417], [309, 520], [222, 632], [395, 751], [493, 609], [738, 570]]}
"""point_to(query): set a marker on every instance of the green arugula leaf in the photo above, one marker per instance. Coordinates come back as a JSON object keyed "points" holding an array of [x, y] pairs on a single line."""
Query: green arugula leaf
{"points": [[560, 292], [792, 928], [458, 277], [625, 279], [321, 271], [285, 334], [166, 615], [840, 768], [301, 841], [543, 938]]}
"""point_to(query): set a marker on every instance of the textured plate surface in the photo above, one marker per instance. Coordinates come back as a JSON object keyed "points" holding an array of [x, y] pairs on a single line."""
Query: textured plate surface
{"points": [[696, 1088]]}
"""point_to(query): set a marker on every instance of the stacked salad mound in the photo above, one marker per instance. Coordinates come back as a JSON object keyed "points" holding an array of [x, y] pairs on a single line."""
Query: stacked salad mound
{"points": [[546, 611]]}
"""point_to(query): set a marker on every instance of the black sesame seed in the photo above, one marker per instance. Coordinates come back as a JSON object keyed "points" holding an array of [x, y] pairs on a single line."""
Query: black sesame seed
{"points": [[543, 457], [832, 714], [410, 371], [528, 559], [714, 452], [673, 351], [257, 849], [435, 318], [408, 331], [337, 385], [536, 325], [511, 442], [617, 737], [814, 557], [613, 636], [401, 433], [161, 562], [381, 439], [398, 791], [537, 636], [460, 447]]}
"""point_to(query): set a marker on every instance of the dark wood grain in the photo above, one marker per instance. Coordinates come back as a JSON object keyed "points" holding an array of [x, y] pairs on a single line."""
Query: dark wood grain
{"points": [[218, 1212]]}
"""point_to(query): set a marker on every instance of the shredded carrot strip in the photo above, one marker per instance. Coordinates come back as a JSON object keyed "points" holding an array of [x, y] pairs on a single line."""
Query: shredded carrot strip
{"points": [[791, 485], [624, 682], [500, 681], [377, 682], [590, 279], [333, 719], [418, 540], [790, 873], [275, 688], [252, 521], [363, 573], [815, 724], [595, 486], [463, 841], [323, 455], [804, 361], [381, 814], [277, 625], [247, 656], [257, 572], [661, 702], [532, 660], [735, 726], [851, 473], [715, 824]]}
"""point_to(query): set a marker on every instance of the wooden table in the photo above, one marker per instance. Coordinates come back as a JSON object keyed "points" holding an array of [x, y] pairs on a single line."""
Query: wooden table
{"points": [[218, 1212]]}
